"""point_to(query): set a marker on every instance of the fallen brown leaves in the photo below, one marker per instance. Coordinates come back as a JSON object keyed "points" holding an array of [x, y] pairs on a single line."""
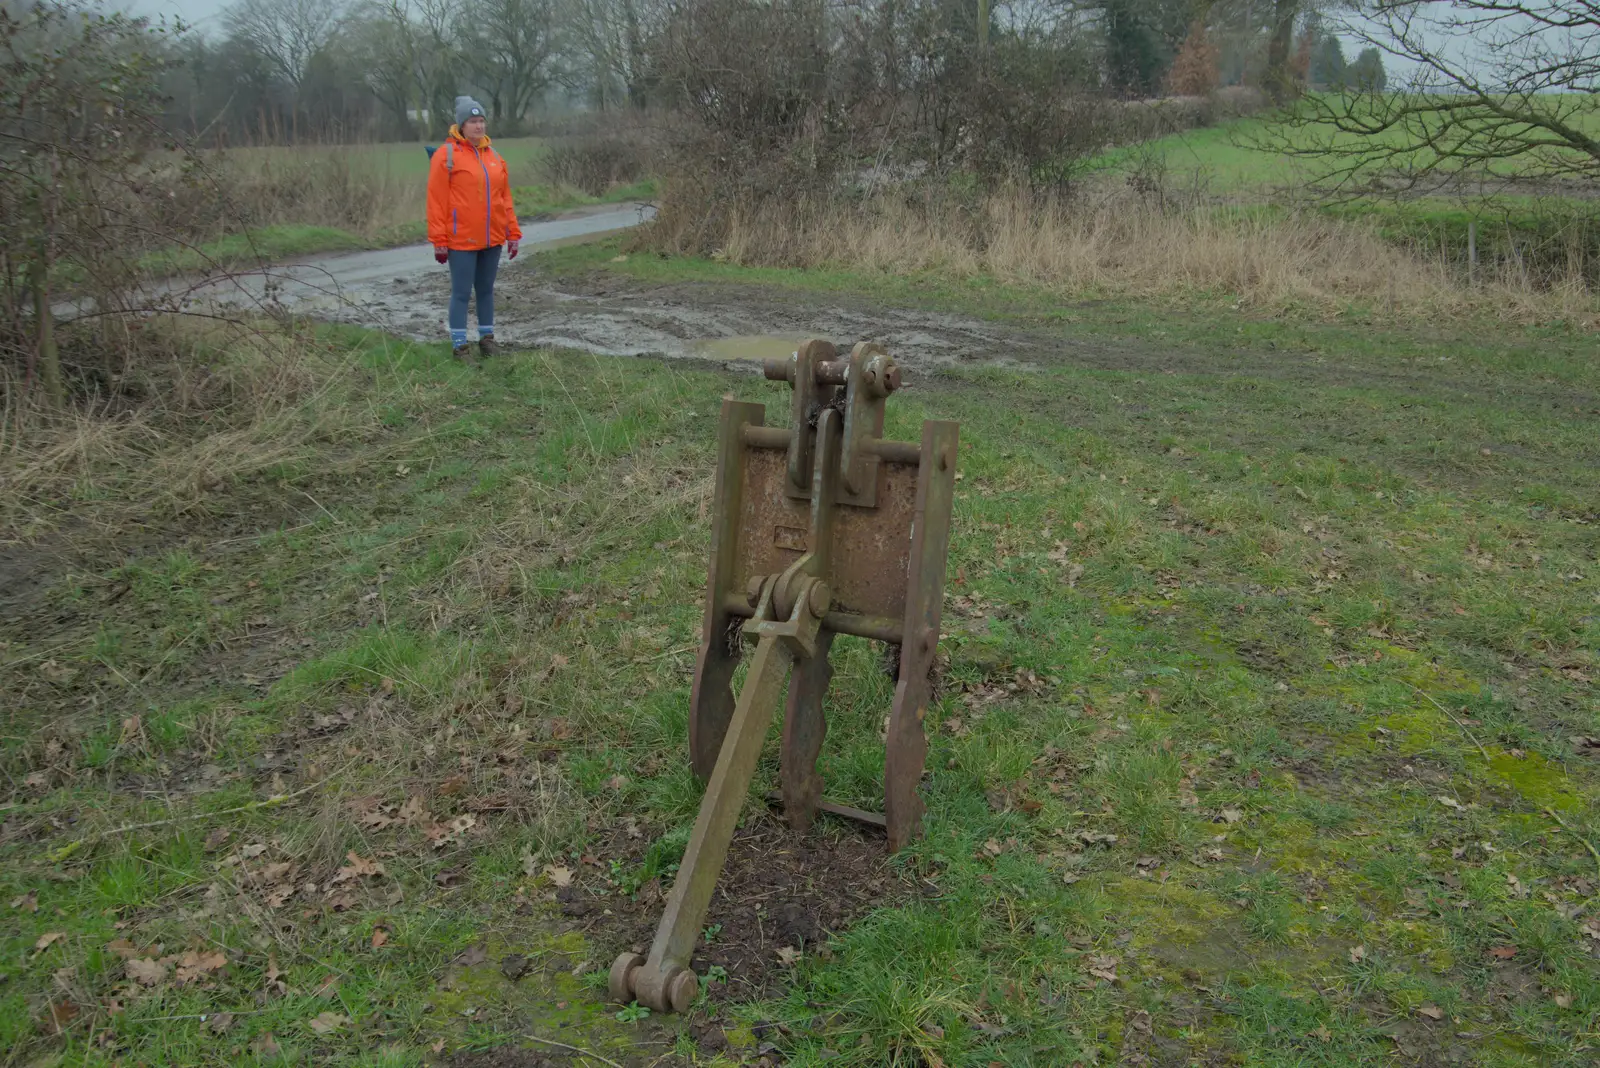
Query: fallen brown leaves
{"points": [[148, 969], [440, 835], [327, 1022], [1104, 966], [196, 965], [358, 868], [145, 972]]}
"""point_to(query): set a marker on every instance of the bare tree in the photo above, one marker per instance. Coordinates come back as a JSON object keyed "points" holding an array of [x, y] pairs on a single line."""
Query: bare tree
{"points": [[385, 42], [611, 42], [1501, 91], [436, 59], [288, 32], [509, 46]]}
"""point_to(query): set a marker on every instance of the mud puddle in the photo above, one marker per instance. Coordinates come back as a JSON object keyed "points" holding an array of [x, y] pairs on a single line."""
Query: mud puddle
{"points": [[616, 316], [404, 292]]}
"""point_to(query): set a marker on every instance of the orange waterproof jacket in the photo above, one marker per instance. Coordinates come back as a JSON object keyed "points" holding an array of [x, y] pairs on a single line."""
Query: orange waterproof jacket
{"points": [[469, 196]]}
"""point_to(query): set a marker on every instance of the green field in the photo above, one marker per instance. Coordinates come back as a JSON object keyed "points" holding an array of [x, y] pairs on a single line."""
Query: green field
{"points": [[408, 159], [1265, 728], [1239, 158]]}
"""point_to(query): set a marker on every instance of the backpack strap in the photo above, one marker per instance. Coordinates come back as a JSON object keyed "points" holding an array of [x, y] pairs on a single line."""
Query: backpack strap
{"points": [[449, 155]]}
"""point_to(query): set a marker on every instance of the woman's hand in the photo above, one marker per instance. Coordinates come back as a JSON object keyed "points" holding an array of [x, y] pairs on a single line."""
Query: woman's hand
{"points": [[441, 254], [511, 248]]}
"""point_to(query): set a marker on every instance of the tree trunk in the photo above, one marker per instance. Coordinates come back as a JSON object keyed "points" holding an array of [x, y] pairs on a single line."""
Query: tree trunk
{"points": [[1279, 82], [45, 335]]}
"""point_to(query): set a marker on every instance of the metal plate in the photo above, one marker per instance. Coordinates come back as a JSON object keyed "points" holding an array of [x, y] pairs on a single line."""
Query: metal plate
{"points": [[872, 546]]}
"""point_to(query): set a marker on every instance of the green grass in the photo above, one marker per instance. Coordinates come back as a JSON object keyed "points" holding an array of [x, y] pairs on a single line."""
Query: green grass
{"points": [[1330, 575], [1243, 156], [1218, 159]]}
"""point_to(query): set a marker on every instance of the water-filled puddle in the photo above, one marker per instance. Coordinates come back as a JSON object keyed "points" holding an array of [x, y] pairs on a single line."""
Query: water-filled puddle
{"points": [[748, 347]]}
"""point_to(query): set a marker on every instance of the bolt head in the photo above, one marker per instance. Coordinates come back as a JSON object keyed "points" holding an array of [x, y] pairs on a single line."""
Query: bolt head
{"points": [[821, 599], [682, 989]]}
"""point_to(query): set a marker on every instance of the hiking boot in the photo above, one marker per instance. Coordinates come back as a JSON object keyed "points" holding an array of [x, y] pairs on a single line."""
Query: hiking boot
{"points": [[487, 347], [464, 354]]}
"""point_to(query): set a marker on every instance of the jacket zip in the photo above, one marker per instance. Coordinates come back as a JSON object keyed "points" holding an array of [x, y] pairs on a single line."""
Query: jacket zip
{"points": [[488, 202]]}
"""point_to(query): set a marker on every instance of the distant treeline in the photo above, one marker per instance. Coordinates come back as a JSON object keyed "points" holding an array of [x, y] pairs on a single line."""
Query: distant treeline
{"points": [[283, 71]]}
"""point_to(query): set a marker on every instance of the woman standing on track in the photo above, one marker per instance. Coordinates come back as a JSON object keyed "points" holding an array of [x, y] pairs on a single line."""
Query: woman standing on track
{"points": [[470, 216]]}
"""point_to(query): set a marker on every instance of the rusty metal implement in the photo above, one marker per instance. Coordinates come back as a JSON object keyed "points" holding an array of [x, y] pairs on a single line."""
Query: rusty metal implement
{"points": [[820, 529]]}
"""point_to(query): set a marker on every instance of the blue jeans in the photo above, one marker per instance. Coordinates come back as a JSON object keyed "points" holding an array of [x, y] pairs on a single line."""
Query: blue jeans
{"points": [[469, 271]]}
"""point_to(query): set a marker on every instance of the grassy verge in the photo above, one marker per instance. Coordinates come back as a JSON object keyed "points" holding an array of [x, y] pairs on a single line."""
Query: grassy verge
{"points": [[1263, 737], [266, 244]]}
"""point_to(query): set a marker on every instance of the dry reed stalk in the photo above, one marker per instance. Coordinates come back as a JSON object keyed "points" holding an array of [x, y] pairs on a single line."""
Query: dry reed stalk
{"points": [[344, 187], [1115, 242]]}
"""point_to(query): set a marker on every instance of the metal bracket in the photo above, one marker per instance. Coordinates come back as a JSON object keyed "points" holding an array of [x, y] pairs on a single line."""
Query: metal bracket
{"points": [[858, 386]]}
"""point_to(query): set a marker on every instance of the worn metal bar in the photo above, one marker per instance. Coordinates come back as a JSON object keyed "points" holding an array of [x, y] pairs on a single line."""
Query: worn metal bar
{"points": [[826, 373], [777, 437], [833, 808], [865, 390], [711, 700], [808, 396], [906, 747], [878, 628], [713, 827], [804, 728], [803, 723]]}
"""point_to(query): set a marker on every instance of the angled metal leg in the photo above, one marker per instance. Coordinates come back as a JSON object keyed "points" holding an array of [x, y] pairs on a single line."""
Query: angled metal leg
{"points": [[907, 745], [711, 702], [663, 981], [804, 728]]}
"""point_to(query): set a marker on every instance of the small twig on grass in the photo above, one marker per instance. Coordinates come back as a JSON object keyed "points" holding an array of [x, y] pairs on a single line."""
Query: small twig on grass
{"points": [[1470, 736], [1593, 852], [579, 1050], [209, 1015], [272, 802], [318, 503]]}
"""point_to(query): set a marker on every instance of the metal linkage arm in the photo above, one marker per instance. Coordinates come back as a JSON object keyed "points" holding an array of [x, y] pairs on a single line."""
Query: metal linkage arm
{"points": [[663, 981], [788, 618]]}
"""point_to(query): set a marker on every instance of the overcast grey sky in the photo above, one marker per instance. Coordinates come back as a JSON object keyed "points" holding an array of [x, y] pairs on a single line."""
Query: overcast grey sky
{"points": [[199, 13]]}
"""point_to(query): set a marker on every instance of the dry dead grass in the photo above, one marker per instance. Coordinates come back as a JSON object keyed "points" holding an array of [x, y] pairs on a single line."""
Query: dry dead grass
{"points": [[1113, 241], [347, 188], [225, 401]]}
